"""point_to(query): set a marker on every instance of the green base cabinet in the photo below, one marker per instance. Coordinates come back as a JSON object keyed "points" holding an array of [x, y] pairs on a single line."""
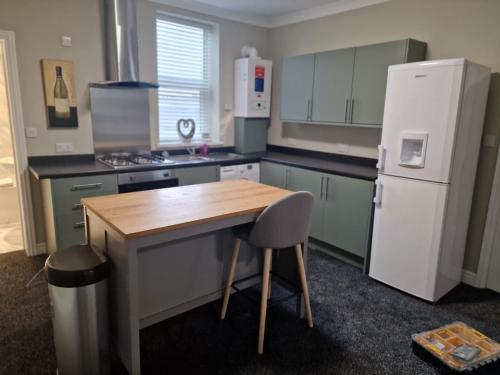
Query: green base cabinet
{"points": [[273, 174], [298, 179], [63, 210], [197, 175], [342, 207], [347, 213]]}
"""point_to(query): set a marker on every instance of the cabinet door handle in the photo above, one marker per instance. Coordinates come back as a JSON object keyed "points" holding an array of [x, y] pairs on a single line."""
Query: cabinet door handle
{"points": [[286, 178], [77, 206], [79, 225], [378, 193], [96, 185], [346, 110], [326, 189], [309, 109], [321, 192], [352, 111]]}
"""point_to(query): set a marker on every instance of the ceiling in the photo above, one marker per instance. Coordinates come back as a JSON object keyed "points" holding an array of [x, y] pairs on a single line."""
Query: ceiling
{"points": [[270, 13], [267, 8]]}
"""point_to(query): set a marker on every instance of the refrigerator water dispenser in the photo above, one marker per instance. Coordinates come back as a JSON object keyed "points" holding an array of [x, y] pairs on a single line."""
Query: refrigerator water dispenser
{"points": [[413, 147]]}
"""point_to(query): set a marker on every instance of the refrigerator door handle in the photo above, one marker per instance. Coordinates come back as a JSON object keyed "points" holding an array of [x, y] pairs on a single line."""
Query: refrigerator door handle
{"points": [[381, 158], [378, 193]]}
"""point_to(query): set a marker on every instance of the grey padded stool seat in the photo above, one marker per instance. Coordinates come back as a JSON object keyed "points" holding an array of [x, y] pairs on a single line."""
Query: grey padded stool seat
{"points": [[283, 224]]}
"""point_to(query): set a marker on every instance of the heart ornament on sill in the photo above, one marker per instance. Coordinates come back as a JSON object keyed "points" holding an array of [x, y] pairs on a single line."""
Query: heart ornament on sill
{"points": [[186, 128]]}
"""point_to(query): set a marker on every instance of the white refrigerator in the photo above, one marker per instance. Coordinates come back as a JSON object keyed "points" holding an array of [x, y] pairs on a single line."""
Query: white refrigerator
{"points": [[431, 136]]}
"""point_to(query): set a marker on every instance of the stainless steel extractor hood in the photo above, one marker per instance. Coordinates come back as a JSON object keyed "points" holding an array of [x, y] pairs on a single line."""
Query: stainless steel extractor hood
{"points": [[121, 46]]}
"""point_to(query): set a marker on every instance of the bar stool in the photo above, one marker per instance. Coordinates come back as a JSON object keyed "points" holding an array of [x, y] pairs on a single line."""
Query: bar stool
{"points": [[281, 225]]}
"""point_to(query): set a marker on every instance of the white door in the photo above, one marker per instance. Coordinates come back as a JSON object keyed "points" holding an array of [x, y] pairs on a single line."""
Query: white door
{"points": [[493, 281], [407, 234], [421, 111]]}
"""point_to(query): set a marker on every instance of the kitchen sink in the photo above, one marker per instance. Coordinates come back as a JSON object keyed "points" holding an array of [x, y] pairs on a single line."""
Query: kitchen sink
{"points": [[198, 158], [186, 158], [222, 156]]}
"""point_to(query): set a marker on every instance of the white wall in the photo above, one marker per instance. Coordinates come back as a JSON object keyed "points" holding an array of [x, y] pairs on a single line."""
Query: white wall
{"points": [[233, 35], [452, 28], [38, 26]]}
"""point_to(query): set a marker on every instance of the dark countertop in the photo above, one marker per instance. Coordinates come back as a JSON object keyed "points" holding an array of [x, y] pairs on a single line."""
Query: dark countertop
{"points": [[43, 167], [343, 168]]}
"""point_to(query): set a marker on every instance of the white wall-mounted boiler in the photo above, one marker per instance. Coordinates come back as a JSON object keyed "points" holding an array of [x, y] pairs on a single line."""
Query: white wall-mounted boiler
{"points": [[252, 87]]}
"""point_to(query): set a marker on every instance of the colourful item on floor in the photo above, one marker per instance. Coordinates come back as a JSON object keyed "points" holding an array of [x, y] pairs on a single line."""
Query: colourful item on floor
{"points": [[459, 346]]}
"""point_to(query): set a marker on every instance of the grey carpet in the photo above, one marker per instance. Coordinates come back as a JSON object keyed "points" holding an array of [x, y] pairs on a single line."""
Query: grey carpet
{"points": [[362, 327]]}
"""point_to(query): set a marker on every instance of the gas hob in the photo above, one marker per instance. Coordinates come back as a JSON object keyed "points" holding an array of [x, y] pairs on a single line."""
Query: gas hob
{"points": [[128, 160]]}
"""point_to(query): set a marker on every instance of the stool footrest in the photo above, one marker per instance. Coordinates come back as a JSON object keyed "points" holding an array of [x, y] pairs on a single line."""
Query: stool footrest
{"points": [[296, 292]]}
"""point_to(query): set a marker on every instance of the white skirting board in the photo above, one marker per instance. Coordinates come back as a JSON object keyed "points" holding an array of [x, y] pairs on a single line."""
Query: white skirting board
{"points": [[469, 278], [41, 248]]}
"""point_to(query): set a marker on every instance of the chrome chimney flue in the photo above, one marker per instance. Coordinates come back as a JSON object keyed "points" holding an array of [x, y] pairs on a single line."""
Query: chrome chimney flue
{"points": [[121, 46]]}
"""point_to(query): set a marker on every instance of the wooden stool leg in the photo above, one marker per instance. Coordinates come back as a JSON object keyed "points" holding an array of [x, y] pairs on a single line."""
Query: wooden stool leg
{"points": [[230, 277], [263, 301], [303, 281]]}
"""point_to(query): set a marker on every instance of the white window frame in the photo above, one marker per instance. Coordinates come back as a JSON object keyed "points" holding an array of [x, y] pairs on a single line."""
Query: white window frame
{"points": [[215, 110]]}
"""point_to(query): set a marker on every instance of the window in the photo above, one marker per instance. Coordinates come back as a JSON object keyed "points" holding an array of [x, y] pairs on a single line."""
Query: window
{"points": [[186, 61]]}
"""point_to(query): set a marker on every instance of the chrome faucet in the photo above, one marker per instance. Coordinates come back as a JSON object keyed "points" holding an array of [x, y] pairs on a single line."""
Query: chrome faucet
{"points": [[191, 150]]}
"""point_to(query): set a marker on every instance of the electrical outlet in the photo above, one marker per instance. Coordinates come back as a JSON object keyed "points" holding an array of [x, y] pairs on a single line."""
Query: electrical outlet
{"points": [[292, 141], [343, 148], [65, 147], [31, 132]]}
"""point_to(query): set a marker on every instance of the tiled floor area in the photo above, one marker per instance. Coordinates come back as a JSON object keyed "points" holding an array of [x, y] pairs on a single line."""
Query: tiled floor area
{"points": [[11, 237]]}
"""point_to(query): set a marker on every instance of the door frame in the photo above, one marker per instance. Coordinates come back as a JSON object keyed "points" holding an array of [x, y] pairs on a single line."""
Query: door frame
{"points": [[491, 235], [7, 40]]}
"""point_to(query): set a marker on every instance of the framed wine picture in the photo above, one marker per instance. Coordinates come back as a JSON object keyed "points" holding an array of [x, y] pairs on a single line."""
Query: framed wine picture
{"points": [[59, 90]]}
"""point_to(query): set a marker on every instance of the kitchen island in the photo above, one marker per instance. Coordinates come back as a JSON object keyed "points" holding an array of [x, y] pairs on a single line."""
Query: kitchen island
{"points": [[170, 250]]}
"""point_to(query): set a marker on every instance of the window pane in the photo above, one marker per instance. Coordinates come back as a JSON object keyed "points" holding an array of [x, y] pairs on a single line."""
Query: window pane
{"points": [[184, 66]]}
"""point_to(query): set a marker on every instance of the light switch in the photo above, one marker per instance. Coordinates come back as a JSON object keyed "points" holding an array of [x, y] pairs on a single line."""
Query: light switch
{"points": [[65, 147], [31, 132], [228, 107], [66, 41]]}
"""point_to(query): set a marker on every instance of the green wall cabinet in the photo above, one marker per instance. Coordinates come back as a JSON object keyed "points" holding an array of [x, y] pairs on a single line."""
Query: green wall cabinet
{"points": [[297, 88], [197, 175], [342, 208], [63, 210], [343, 87], [332, 85]]}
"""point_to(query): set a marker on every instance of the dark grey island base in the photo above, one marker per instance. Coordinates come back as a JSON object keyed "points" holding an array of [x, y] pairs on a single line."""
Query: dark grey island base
{"points": [[43, 167]]}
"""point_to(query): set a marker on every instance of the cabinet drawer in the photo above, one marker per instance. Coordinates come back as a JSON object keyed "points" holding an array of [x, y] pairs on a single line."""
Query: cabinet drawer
{"points": [[70, 230], [67, 192]]}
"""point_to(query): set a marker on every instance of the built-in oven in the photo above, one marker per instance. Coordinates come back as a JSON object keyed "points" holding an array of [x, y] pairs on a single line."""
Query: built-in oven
{"points": [[146, 180]]}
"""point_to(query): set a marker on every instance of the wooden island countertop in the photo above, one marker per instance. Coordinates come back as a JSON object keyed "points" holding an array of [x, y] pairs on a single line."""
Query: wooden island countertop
{"points": [[151, 212]]}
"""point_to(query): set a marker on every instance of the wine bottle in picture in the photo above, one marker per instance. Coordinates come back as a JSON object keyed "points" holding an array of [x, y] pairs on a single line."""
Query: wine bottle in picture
{"points": [[61, 97]]}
